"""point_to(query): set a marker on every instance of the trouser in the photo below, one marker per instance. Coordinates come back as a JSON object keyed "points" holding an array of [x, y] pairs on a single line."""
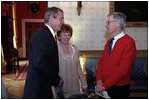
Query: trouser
{"points": [[119, 92]]}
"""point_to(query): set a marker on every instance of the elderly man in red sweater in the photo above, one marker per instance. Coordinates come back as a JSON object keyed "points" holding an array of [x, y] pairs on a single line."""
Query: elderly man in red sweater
{"points": [[115, 65]]}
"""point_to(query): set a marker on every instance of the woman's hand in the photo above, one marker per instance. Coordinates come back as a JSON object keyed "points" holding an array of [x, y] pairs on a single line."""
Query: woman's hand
{"points": [[61, 82], [85, 91]]}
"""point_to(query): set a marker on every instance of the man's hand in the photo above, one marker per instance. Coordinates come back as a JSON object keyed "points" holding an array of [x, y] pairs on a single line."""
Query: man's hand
{"points": [[61, 82], [100, 87]]}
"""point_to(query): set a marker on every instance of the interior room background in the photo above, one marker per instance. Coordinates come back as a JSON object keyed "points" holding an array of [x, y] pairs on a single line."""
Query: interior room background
{"points": [[21, 18], [88, 27], [86, 18]]}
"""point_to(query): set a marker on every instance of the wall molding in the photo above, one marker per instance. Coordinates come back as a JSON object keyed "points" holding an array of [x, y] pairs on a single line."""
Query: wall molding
{"points": [[98, 53], [24, 21]]}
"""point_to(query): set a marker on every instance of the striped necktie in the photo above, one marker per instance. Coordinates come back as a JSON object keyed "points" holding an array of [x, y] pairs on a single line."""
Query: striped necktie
{"points": [[111, 42]]}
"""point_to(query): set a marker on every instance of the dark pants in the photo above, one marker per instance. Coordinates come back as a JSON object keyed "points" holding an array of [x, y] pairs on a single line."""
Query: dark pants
{"points": [[119, 92]]}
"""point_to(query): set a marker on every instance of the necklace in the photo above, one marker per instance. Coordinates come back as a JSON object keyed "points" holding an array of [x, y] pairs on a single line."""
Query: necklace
{"points": [[73, 51]]}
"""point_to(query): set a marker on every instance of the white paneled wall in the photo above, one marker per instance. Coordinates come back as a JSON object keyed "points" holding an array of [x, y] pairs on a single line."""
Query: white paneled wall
{"points": [[88, 28]]}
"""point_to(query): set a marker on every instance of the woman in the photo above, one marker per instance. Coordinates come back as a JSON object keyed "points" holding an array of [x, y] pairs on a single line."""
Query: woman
{"points": [[69, 65]]}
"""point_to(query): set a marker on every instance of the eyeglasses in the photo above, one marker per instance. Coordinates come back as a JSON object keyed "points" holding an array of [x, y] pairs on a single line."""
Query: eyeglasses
{"points": [[108, 22]]}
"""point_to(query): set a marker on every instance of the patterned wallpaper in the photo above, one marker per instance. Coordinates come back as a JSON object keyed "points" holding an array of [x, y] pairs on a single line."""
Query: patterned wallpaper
{"points": [[88, 28]]}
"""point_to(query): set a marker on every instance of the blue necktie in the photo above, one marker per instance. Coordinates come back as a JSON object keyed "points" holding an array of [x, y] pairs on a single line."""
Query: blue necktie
{"points": [[111, 42]]}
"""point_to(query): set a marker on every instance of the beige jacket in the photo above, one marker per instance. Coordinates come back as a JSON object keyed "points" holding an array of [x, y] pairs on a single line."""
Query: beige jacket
{"points": [[70, 71]]}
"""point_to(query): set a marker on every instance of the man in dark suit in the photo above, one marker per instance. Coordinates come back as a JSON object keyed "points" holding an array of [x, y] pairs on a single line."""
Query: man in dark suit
{"points": [[43, 58], [115, 65]]}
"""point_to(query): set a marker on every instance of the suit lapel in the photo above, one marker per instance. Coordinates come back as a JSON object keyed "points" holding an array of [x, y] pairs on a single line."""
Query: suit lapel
{"points": [[46, 28]]}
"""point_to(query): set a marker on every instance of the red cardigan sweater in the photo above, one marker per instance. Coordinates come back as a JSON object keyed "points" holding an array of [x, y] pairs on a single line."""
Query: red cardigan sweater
{"points": [[115, 69]]}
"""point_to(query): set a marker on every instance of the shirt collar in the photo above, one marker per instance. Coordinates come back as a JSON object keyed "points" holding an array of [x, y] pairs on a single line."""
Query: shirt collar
{"points": [[52, 31], [119, 35]]}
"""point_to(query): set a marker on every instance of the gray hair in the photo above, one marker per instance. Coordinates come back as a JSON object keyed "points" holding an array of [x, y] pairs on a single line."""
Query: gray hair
{"points": [[52, 11], [121, 17]]}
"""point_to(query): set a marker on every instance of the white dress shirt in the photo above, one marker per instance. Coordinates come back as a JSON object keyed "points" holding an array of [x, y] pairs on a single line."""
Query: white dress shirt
{"points": [[117, 37]]}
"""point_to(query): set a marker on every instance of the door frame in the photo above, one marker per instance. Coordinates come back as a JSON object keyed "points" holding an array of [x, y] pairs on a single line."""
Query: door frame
{"points": [[24, 21]]}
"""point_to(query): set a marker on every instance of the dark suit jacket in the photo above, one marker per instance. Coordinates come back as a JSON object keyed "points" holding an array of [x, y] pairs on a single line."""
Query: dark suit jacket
{"points": [[43, 65]]}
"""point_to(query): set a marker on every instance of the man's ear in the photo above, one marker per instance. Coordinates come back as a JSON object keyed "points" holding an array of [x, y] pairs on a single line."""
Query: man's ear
{"points": [[118, 24], [51, 19]]}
